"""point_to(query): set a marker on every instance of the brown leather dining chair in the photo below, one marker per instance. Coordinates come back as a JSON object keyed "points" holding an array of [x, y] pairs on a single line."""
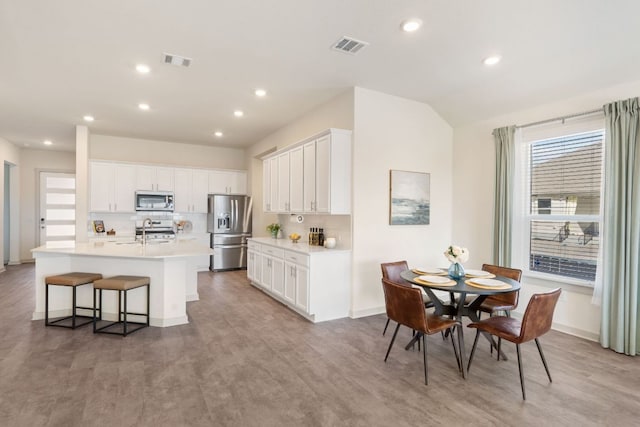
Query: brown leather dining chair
{"points": [[535, 323], [391, 271], [501, 302], [405, 306]]}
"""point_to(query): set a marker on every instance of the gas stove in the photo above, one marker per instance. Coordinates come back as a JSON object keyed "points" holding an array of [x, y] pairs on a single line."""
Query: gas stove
{"points": [[160, 229]]}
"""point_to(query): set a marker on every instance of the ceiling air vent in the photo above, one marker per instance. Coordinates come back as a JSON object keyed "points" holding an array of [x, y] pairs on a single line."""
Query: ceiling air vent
{"points": [[178, 60], [349, 45]]}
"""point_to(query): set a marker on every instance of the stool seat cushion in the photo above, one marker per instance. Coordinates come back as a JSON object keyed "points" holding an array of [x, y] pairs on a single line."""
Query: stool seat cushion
{"points": [[72, 279], [121, 283]]}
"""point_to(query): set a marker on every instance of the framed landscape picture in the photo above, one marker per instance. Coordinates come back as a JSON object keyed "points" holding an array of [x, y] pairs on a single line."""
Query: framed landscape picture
{"points": [[409, 202]]}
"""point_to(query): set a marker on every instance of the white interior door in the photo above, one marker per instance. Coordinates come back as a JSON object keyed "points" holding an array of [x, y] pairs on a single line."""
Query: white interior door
{"points": [[57, 208]]}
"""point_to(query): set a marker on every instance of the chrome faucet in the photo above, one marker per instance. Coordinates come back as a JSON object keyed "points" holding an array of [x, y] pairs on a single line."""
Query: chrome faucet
{"points": [[144, 229]]}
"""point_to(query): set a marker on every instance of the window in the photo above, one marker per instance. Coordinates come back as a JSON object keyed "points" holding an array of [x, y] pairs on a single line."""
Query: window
{"points": [[558, 211]]}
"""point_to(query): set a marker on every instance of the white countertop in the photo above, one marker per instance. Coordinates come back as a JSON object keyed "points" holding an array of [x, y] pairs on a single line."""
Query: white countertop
{"points": [[301, 246], [178, 248]]}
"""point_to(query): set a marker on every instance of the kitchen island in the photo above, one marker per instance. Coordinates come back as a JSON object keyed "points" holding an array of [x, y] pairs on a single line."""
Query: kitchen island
{"points": [[172, 267]]}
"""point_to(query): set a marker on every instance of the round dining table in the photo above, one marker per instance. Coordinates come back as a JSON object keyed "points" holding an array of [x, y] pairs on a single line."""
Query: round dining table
{"points": [[457, 306]]}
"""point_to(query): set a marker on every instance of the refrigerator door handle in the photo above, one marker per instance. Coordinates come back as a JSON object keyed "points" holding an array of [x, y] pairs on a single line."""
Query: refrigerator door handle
{"points": [[235, 221]]}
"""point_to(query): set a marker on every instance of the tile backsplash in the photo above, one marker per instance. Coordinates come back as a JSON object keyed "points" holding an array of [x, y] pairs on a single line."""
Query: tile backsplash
{"points": [[124, 224], [338, 226]]}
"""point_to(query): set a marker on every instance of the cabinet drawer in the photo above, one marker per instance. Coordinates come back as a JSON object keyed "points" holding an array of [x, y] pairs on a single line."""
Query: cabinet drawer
{"points": [[275, 252], [297, 258], [253, 246]]}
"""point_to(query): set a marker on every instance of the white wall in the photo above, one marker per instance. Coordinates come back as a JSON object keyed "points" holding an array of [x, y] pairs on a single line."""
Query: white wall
{"points": [[396, 133], [473, 181], [105, 147], [337, 113], [32, 162]]}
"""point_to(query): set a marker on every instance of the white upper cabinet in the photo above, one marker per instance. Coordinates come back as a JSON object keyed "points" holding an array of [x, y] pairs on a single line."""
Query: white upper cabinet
{"points": [[191, 189], [227, 182], [296, 180], [309, 184], [266, 185], [313, 176], [283, 183], [112, 187], [154, 178], [273, 189]]}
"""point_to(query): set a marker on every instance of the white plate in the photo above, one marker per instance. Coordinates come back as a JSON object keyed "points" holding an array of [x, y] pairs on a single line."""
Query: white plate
{"points": [[435, 279], [489, 282], [476, 273], [430, 270]]}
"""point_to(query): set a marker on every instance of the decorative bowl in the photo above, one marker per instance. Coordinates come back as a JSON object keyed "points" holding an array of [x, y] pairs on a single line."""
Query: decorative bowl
{"points": [[294, 238]]}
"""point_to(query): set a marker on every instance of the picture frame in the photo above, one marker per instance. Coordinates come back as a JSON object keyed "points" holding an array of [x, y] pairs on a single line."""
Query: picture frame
{"points": [[409, 198], [98, 226]]}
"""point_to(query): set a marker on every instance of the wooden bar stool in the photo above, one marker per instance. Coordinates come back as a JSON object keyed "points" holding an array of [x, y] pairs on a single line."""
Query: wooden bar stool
{"points": [[122, 284], [73, 280]]}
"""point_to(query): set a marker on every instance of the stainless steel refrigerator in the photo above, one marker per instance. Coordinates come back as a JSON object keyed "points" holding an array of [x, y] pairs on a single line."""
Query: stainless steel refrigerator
{"points": [[229, 222]]}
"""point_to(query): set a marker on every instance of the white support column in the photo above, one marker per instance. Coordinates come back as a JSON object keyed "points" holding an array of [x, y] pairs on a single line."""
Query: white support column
{"points": [[14, 215], [82, 183]]}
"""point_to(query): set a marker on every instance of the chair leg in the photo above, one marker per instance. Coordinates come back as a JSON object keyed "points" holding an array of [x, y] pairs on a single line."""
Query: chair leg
{"points": [[424, 358], [499, 347], [46, 304], [473, 349], [94, 310], [455, 351], [392, 340], [386, 325], [521, 373], [544, 362], [73, 309]]}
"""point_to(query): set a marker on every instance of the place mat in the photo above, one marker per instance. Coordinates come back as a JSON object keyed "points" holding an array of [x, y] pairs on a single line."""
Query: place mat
{"points": [[432, 271], [480, 285], [479, 274], [424, 282]]}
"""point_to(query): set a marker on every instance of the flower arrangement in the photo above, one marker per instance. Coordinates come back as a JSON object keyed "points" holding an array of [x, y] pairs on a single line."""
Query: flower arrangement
{"points": [[457, 254], [273, 229]]}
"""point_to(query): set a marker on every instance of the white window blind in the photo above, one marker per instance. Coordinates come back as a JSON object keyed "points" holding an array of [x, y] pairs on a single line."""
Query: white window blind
{"points": [[557, 207], [565, 180]]}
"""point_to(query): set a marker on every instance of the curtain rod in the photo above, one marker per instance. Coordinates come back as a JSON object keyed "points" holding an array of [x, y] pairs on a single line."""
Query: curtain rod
{"points": [[563, 118]]}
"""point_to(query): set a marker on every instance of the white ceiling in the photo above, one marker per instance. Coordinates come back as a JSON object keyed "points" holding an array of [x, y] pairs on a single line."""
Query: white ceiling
{"points": [[63, 59]]}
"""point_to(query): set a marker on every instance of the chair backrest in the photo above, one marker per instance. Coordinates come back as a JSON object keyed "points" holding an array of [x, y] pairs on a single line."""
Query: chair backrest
{"points": [[508, 298], [538, 315], [391, 271], [405, 305], [511, 273]]}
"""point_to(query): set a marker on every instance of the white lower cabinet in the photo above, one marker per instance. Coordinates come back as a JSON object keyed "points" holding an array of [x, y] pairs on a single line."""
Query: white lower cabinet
{"points": [[273, 270], [254, 263], [313, 282]]}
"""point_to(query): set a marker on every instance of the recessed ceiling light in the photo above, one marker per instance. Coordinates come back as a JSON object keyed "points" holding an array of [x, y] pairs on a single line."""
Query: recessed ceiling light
{"points": [[88, 118], [218, 134], [144, 107], [492, 60], [238, 113], [47, 142], [260, 92], [411, 25], [143, 68]]}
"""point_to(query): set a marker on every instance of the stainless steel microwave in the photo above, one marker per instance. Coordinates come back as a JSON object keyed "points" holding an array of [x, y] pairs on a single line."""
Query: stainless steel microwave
{"points": [[154, 201]]}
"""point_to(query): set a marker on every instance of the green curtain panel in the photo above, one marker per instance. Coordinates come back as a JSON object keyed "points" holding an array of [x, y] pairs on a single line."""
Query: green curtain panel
{"points": [[503, 209], [620, 330]]}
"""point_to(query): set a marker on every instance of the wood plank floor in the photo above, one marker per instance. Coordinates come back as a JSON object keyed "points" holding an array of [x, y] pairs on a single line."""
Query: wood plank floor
{"points": [[245, 360]]}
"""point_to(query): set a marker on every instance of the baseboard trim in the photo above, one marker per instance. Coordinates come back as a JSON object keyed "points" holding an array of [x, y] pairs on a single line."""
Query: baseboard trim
{"points": [[570, 330], [355, 314]]}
